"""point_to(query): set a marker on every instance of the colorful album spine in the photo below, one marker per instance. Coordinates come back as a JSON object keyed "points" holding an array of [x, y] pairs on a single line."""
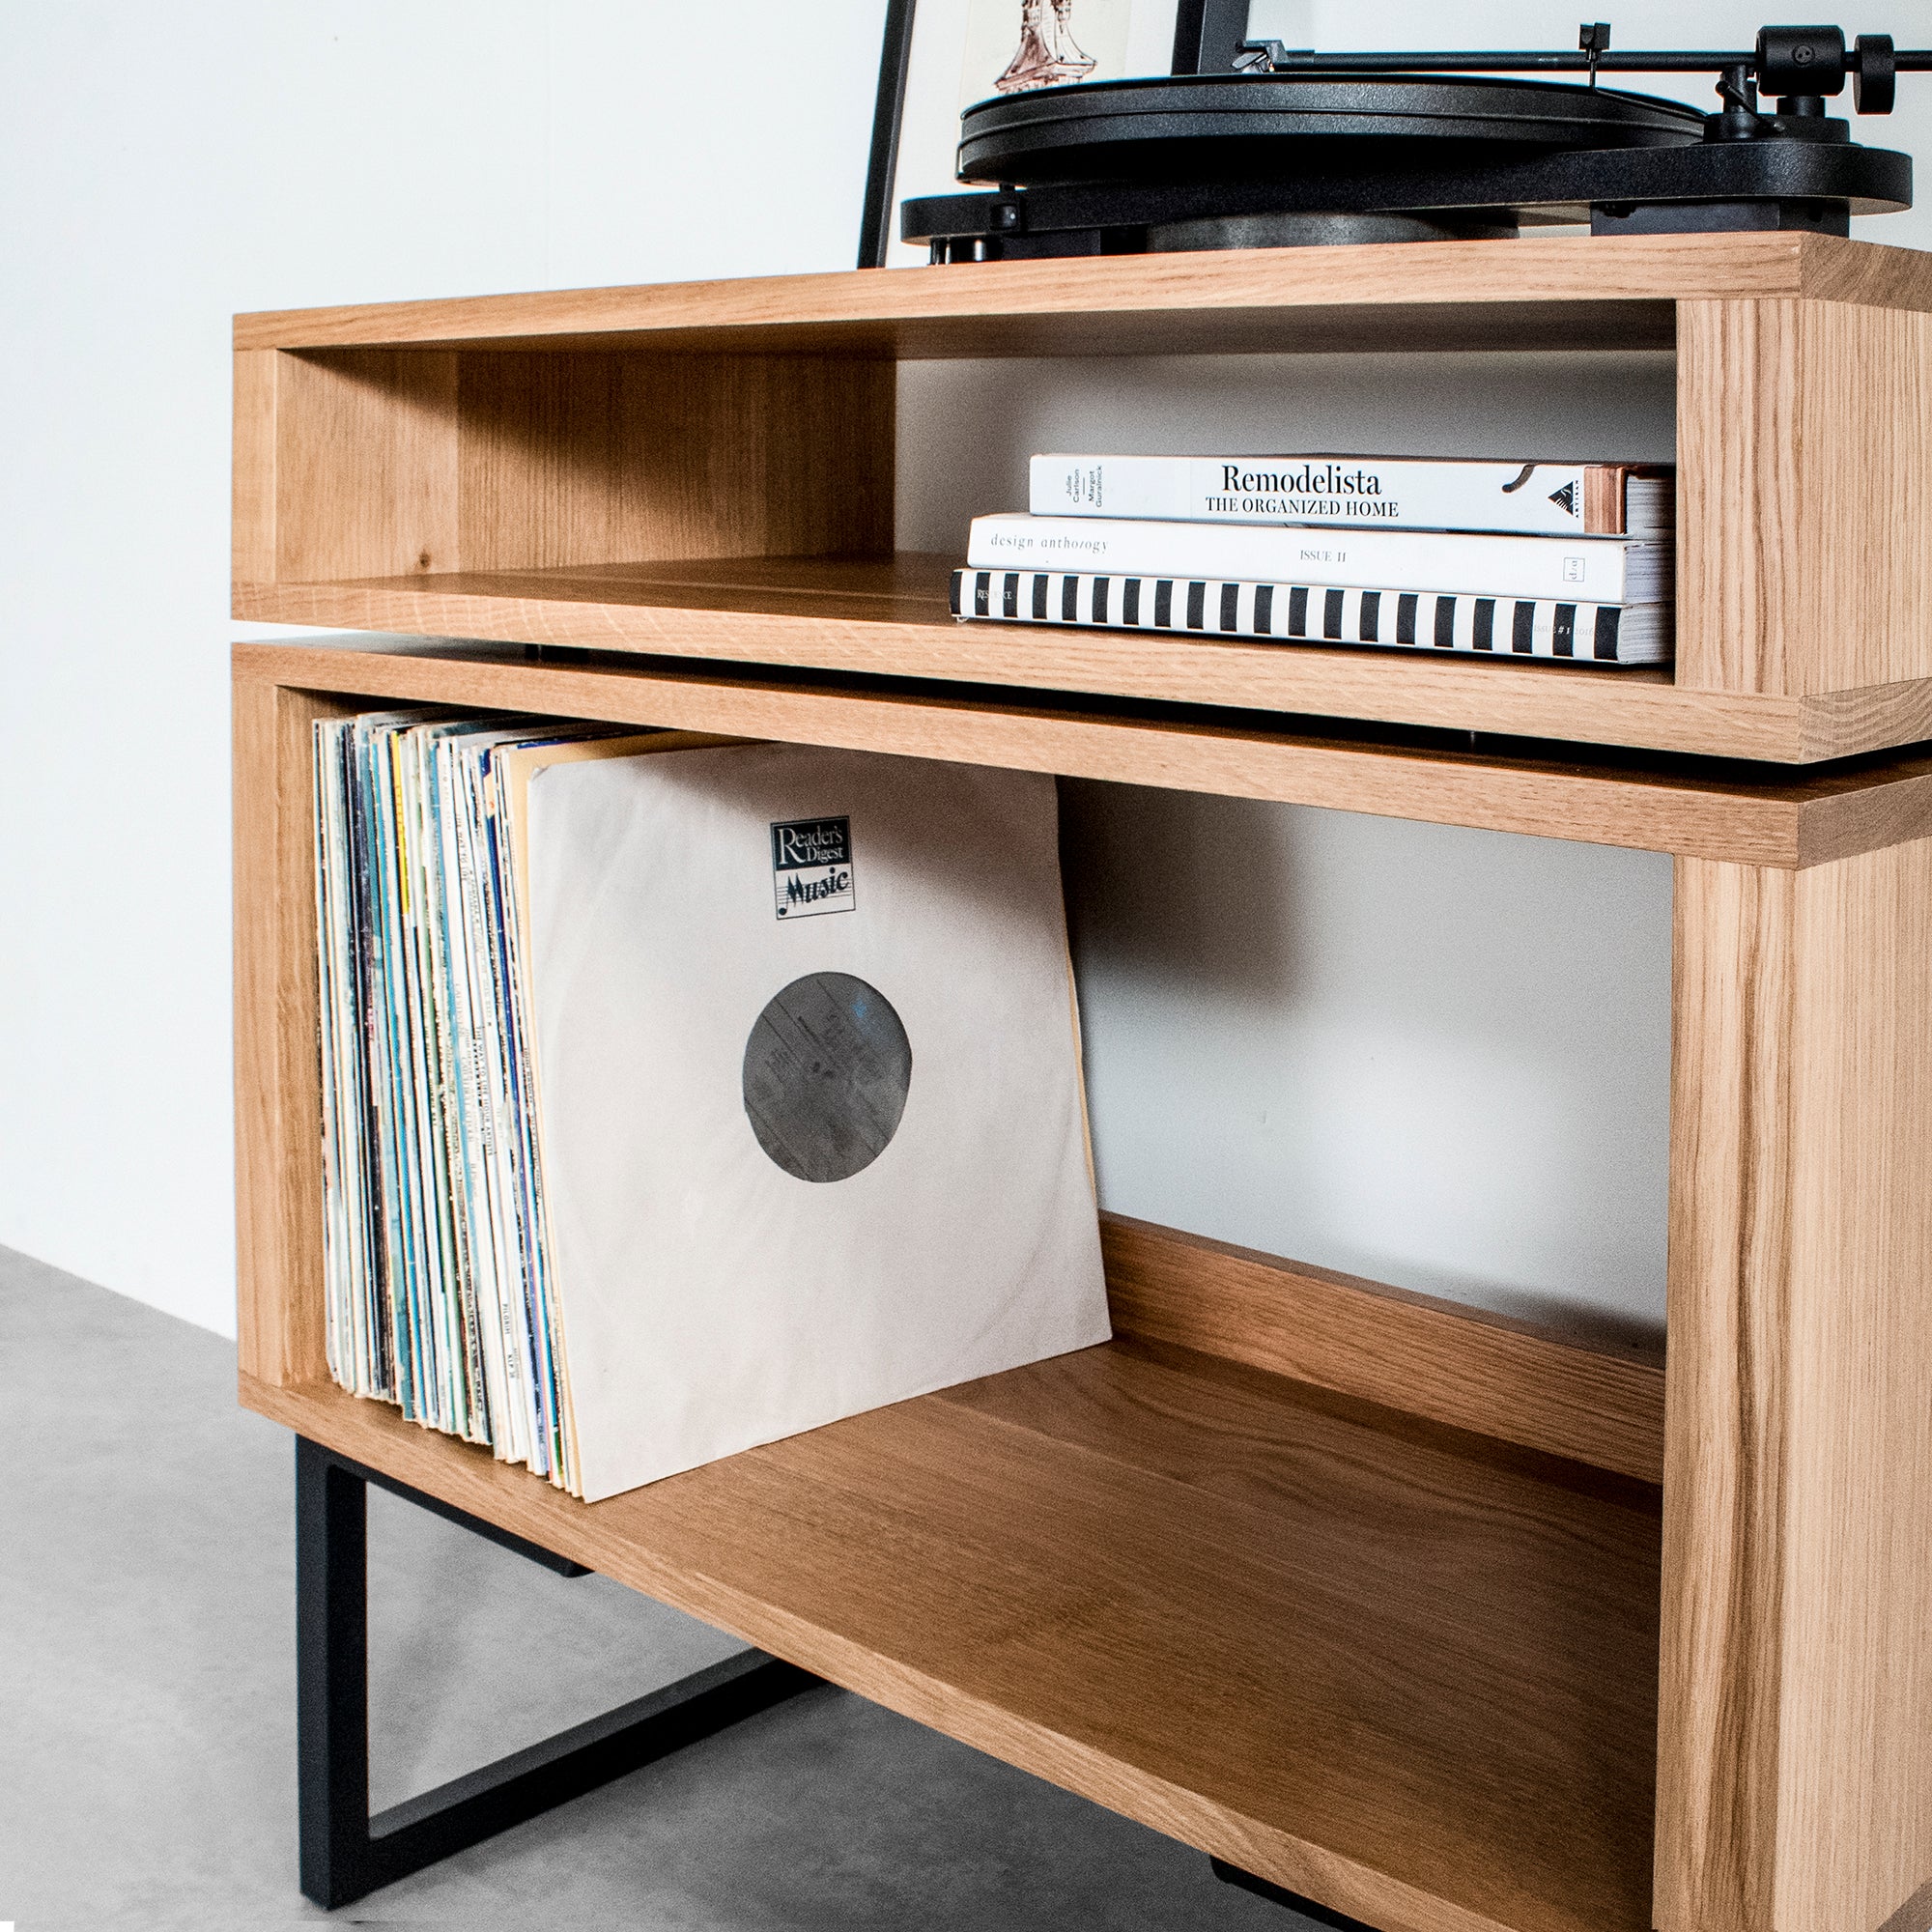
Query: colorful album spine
{"points": [[1546, 628], [1610, 499]]}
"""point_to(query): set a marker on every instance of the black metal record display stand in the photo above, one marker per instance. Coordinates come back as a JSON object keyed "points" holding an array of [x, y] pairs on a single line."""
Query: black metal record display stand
{"points": [[346, 1853]]}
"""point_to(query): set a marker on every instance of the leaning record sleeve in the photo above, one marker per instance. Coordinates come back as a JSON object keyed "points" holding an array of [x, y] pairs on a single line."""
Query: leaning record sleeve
{"points": [[516, 766], [808, 1075]]}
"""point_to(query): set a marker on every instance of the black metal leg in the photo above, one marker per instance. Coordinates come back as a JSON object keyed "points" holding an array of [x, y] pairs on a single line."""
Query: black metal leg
{"points": [[347, 1854], [1279, 1895]]}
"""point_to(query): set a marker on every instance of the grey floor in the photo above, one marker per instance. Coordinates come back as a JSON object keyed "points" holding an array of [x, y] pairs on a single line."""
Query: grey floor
{"points": [[147, 1700]]}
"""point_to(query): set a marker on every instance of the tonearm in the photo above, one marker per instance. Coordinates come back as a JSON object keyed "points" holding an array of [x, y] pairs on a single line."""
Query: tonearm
{"points": [[1801, 66]]}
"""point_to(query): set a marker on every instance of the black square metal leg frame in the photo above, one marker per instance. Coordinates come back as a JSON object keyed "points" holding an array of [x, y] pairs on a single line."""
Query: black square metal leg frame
{"points": [[345, 1852]]}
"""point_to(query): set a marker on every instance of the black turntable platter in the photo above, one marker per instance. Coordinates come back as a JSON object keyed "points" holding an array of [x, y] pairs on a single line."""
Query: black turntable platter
{"points": [[1240, 127], [1292, 148]]}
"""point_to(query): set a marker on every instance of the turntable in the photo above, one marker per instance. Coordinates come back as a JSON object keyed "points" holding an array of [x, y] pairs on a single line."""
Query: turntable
{"points": [[1268, 146]]}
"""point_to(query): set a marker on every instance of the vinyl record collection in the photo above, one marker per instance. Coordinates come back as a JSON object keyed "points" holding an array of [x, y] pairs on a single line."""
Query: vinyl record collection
{"points": [[683, 1093], [438, 1296]]}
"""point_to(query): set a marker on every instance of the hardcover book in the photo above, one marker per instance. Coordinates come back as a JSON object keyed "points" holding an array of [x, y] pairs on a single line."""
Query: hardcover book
{"points": [[1611, 499], [1594, 570], [1556, 628]]}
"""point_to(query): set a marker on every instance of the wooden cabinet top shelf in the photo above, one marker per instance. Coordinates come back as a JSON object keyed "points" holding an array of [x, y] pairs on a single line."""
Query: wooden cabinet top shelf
{"points": [[710, 470], [1562, 290]]}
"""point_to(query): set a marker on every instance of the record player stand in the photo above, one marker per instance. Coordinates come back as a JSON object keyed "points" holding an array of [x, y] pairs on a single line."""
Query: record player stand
{"points": [[1444, 1622]]}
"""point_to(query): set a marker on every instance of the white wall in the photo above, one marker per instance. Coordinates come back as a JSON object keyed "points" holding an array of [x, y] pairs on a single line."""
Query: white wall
{"points": [[166, 166], [1432, 1056], [161, 167]]}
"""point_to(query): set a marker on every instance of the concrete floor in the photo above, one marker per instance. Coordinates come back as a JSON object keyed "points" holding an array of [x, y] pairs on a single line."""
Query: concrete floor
{"points": [[147, 1705]]}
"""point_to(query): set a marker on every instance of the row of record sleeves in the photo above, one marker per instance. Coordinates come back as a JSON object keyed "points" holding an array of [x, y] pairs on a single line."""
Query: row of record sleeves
{"points": [[682, 1094], [438, 1293]]}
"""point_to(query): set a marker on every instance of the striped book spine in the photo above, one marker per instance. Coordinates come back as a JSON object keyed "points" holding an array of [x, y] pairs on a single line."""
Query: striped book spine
{"points": [[1603, 634]]}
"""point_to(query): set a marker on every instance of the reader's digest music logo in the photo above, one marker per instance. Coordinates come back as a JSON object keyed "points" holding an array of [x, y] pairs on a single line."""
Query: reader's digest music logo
{"points": [[812, 866]]}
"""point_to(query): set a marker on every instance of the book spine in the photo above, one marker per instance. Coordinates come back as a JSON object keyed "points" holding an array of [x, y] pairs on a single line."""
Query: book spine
{"points": [[1527, 499], [1592, 569], [1555, 628]]}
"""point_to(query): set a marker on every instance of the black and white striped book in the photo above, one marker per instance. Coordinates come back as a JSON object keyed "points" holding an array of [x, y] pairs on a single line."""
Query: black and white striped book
{"points": [[1540, 627]]}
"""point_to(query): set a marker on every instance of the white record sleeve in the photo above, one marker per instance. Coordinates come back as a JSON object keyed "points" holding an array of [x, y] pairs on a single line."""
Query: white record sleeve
{"points": [[711, 1299]]}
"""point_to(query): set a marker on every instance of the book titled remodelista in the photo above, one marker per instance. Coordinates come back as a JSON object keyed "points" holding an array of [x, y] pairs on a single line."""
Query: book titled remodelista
{"points": [[1610, 499], [1594, 570]]}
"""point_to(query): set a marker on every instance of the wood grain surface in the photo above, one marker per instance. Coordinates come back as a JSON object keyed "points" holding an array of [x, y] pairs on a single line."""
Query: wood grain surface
{"points": [[512, 467], [594, 459], [1744, 819], [1796, 1676], [1408, 1677], [1510, 1379], [277, 1073], [399, 464], [253, 478], [366, 463], [889, 616], [1592, 291], [1805, 492]]}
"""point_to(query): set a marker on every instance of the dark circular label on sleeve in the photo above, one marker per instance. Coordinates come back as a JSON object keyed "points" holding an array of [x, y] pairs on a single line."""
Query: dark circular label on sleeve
{"points": [[827, 1071]]}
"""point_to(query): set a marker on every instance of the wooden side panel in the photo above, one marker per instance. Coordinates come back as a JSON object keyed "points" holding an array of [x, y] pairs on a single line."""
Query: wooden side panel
{"points": [[1796, 1723], [253, 534], [277, 1076], [365, 464], [1724, 1401], [594, 459], [1804, 495], [1855, 1819], [1407, 1352]]}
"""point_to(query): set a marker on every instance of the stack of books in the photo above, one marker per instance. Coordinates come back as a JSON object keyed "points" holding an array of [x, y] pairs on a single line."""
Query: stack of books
{"points": [[1567, 561], [680, 1093]]}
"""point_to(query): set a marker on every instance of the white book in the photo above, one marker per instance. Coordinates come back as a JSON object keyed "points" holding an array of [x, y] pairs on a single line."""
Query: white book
{"points": [[1381, 492], [1594, 570]]}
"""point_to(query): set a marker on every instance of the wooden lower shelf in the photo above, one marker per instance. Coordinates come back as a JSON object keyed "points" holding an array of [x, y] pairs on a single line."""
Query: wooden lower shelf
{"points": [[887, 616], [1404, 1670]]}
